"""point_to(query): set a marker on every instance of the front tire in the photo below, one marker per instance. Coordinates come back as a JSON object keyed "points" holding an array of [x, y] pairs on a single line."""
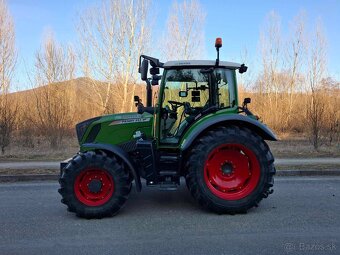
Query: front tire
{"points": [[230, 170], [94, 185]]}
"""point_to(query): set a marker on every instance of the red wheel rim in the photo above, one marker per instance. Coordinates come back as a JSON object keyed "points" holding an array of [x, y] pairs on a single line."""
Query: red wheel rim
{"points": [[82, 187], [231, 171]]}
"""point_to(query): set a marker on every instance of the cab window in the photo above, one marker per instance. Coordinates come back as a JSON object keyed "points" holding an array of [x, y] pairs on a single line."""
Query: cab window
{"points": [[182, 86]]}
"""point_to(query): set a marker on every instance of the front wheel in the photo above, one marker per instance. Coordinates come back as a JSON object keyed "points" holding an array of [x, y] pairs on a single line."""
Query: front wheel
{"points": [[94, 185], [230, 170]]}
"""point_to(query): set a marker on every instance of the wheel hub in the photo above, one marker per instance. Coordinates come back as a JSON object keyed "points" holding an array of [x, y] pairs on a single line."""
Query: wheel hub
{"points": [[227, 168], [95, 185]]}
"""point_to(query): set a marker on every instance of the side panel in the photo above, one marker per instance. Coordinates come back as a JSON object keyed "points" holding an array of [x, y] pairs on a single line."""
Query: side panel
{"points": [[219, 118]]}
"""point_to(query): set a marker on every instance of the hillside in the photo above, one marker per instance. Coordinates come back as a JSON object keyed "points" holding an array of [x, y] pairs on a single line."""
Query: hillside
{"points": [[82, 95]]}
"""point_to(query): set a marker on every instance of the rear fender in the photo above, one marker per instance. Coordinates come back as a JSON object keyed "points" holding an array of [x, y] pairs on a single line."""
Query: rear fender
{"points": [[225, 120]]}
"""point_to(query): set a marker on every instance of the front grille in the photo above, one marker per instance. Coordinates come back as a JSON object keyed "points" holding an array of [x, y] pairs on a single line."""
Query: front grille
{"points": [[82, 127]]}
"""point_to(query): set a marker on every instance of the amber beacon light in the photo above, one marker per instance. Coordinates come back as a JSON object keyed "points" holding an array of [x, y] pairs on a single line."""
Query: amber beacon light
{"points": [[218, 42], [218, 45]]}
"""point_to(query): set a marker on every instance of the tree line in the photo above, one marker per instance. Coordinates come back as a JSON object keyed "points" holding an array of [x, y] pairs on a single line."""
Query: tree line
{"points": [[291, 92]]}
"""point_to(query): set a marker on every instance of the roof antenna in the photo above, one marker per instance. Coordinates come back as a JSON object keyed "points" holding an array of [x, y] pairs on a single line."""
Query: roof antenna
{"points": [[218, 45]]}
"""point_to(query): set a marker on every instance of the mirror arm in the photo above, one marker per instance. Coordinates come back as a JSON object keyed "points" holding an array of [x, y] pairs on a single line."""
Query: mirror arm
{"points": [[148, 93], [153, 61]]}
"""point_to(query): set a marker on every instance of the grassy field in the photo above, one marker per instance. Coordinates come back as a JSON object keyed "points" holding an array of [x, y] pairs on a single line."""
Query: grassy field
{"points": [[41, 151], [289, 146], [298, 146]]}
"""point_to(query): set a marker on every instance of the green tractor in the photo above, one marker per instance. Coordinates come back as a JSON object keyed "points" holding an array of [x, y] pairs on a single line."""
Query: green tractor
{"points": [[195, 129]]}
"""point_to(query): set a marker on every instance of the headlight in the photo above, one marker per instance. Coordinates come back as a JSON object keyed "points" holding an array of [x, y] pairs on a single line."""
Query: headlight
{"points": [[82, 126]]}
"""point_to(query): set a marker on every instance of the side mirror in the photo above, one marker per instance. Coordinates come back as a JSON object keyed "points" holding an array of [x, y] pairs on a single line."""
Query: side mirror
{"points": [[155, 79], [243, 68], [246, 101], [183, 93], [137, 100], [144, 70], [154, 70]]}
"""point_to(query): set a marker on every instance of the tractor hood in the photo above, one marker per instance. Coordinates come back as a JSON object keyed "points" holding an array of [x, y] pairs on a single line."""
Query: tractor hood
{"points": [[115, 129]]}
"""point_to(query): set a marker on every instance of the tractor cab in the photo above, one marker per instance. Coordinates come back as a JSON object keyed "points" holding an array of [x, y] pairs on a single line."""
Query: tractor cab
{"points": [[189, 90]]}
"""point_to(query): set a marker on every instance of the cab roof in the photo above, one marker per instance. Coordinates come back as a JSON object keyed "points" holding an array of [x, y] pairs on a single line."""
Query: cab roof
{"points": [[200, 63]]}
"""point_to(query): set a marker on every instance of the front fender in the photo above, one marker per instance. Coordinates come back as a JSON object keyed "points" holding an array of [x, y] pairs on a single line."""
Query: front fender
{"points": [[119, 152], [226, 119]]}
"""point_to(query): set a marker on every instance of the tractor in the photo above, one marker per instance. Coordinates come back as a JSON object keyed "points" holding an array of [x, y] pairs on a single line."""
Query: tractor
{"points": [[193, 127]]}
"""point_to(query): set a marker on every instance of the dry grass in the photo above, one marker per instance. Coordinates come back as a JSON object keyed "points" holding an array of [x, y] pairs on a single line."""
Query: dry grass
{"points": [[289, 146], [28, 171], [298, 146], [40, 151]]}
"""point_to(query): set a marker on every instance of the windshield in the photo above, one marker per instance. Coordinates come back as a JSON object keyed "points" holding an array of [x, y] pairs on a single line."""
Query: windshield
{"points": [[192, 84]]}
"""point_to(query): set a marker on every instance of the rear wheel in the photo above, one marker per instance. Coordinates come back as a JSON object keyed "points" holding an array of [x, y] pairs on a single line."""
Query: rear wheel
{"points": [[230, 170], [94, 185]]}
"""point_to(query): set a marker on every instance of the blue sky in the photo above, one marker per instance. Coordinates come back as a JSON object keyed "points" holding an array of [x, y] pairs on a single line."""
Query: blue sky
{"points": [[237, 22]]}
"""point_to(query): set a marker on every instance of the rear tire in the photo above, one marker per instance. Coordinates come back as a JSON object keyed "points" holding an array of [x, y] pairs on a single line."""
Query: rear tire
{"points": [[230, 170], [94, 185]]}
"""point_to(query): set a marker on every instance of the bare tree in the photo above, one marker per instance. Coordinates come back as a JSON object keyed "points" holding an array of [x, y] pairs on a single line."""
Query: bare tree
{"points": [[331, 118], [271, 56], [8, 110], [54, 64], [184, 36], [294, 57], [112, 36], [8, 117], [316, 72]]}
